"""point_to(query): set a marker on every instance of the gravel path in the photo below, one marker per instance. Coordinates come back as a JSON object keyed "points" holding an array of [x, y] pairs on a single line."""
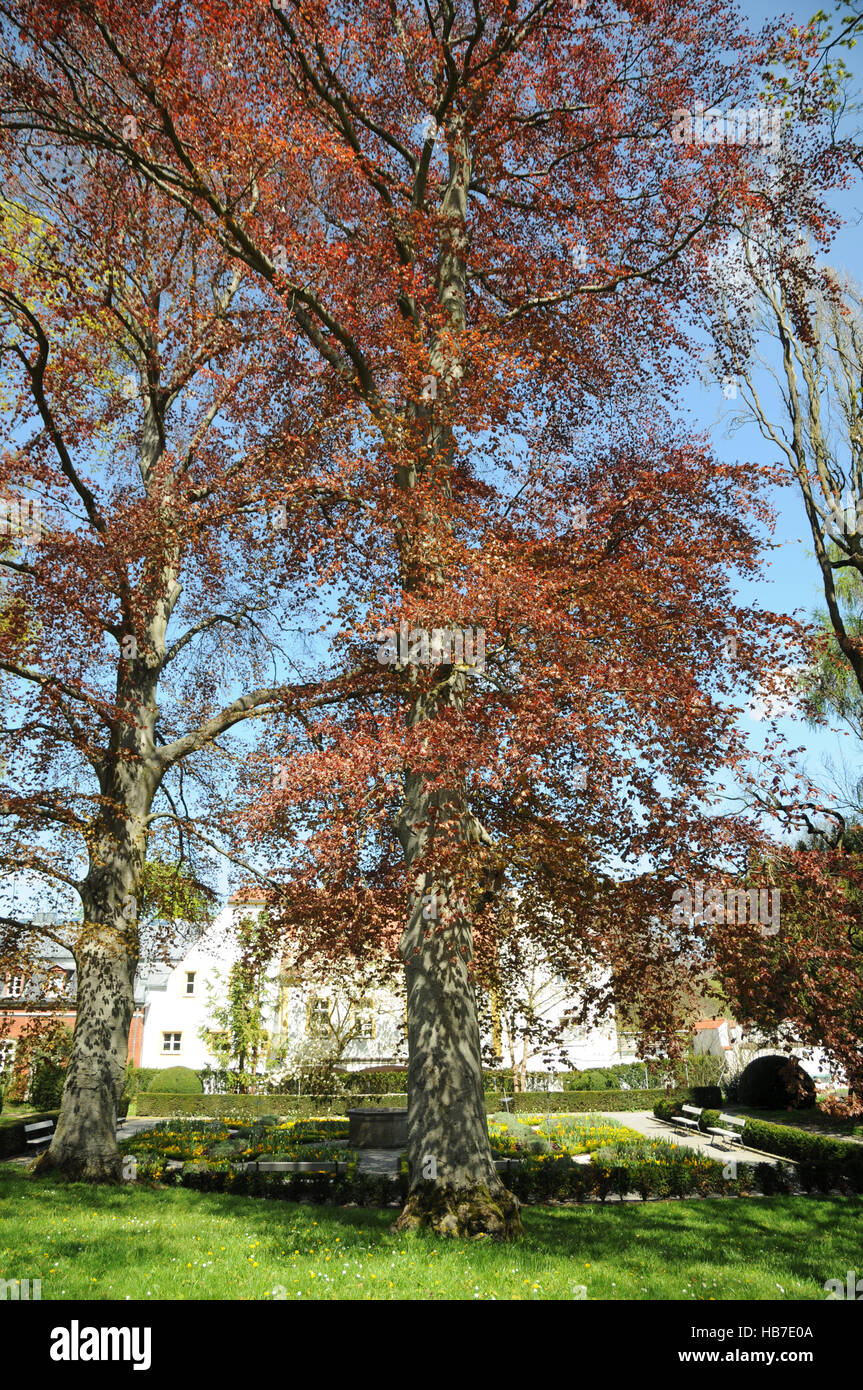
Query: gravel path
{"points": [[646, 1123]]}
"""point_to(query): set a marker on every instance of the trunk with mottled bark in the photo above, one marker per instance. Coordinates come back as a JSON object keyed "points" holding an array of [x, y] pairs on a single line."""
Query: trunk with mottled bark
{"points": [[84, 1146], [454, 1187]]}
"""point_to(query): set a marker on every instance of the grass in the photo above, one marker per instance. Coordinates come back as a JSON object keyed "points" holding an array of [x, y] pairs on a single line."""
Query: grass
{"points": [[140, 1243], [13, 1113]]}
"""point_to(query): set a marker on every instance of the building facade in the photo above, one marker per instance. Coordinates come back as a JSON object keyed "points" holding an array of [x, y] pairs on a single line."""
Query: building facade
{"points": [[174, 1000]]}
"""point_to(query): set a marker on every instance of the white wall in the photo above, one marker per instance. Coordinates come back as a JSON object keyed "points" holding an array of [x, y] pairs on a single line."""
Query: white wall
{"points": [[169, 1009]]}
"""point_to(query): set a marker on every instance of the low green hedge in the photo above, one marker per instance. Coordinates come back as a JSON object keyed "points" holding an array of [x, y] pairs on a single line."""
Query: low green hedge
{"points": [[12, 1137], [822, 1163], [577, 1102], [162, 1104], [561, 1179], [532, 1180], [324, 1189], [496, 1081], [159, 1104]]}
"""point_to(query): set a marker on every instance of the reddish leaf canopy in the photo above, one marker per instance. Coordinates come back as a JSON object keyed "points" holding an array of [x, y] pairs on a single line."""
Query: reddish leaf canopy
{"points": [[430, 278]]}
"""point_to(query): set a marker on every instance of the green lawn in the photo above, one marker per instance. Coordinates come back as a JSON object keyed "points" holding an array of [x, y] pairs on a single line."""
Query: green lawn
{"points": [[172, 1243], [14, 1113]]}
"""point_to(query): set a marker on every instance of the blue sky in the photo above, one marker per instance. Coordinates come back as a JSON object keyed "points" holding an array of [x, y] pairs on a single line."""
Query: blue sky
{"points": [[793, 580]]}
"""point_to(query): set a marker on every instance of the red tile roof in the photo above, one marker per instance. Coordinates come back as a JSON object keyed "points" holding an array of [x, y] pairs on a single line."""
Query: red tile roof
{"points": [[251, 893]]}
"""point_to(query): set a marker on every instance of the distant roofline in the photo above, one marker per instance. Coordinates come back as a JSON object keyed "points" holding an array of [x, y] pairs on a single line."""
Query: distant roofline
{"points": [[251, 893]]}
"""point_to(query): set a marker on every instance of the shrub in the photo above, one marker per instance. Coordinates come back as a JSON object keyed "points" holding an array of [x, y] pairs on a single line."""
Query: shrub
{"points": [[731, 1087], [776, 1083], [16, 1090], [140, 1078], [46, 1090], [158, 1103], [577, 1101], [706, 1096], [539, 1178], [177, 1081], [575, 1081], [841, 1107]]}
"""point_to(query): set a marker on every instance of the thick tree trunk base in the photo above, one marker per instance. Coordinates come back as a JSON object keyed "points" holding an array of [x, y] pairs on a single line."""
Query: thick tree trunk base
{"points": [[462, 1212], [103, 1168]]}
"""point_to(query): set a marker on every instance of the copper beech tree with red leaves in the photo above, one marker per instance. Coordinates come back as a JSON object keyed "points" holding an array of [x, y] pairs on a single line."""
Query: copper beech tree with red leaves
{"points": [[484, 238], [806, 981], [138, 627]]}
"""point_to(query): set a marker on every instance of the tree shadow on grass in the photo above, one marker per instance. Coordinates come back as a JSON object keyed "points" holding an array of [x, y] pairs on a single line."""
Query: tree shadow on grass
{"points": [[792, 1232], [799, 1235]]}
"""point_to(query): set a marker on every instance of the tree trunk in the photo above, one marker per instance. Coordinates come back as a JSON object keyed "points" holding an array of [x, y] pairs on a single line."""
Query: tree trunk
{"points": [[84, 1146], [454, 1188], [519, 1076]]}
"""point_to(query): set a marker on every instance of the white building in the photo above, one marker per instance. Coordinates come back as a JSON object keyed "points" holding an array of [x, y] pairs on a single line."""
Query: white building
{"points": [[178, 999]]}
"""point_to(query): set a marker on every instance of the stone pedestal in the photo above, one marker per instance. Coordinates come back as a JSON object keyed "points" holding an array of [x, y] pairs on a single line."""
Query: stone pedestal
{"points": [[378, 1129]]}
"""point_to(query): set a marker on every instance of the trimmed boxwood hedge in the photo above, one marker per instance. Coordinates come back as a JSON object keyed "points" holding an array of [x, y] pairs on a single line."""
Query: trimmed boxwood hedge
{"points": [[179, 1080], [575, 1102], [532, 1180], [375, 1081], [160, 1104], [12, 1137], [362, 1189]]}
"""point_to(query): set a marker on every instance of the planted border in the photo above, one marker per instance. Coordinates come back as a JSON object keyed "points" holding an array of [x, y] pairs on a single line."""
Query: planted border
{"points": [[823, 1164]]}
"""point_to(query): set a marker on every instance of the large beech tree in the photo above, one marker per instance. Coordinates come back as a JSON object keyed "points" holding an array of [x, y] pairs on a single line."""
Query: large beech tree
{"points": [[478, 225], [136, 626]]}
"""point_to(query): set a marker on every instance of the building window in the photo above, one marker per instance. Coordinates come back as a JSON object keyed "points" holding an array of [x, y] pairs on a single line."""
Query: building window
{"points": [[190, 983], [318, 1020], [579, 1032], [171, 1042], [14, 986], [365, 1016], [57, 983]]}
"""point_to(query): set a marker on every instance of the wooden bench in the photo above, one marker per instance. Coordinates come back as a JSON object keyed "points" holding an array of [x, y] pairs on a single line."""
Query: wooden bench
{"points": [[44, 1137], [723, 1130], [690, 1119]]}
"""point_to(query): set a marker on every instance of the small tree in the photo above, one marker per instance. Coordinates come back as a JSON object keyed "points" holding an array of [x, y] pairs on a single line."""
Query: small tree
{"points": [[237, 1033]]}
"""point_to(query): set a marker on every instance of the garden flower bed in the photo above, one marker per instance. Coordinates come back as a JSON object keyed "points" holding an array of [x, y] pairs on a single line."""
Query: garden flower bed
{"points": [[561, 1134], [219, 1146], [556, 1158]]}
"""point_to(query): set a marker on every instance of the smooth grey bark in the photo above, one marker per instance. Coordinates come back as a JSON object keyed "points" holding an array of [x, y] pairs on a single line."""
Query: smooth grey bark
{"points": [[454, 1187]]}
